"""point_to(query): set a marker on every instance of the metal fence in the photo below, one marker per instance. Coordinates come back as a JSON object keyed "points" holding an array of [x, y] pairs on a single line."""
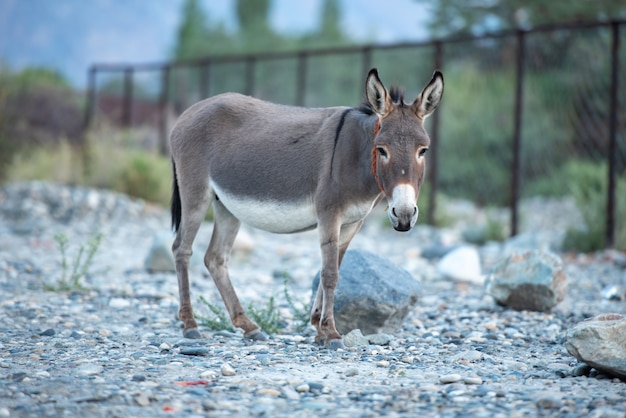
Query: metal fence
{"points": [[521, 108]]}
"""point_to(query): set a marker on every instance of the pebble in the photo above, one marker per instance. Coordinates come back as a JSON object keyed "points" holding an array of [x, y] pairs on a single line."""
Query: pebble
{"points": [[227, 370], [116, 348], [450, 378]]}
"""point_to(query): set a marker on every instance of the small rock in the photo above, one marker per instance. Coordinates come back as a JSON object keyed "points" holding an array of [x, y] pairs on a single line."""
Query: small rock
{"points": [[47, 333], [303, 388], [548, 401], [450, 378], [138, 378], [290, 393], [473, 380], [119, 303], [600, 342], [268, 392], [208, 374], [142, 400], [379, 338], [355, 338], [382, 363], [462, 264], [534, 281], [194, 351], [351, 372], [227, 370]]}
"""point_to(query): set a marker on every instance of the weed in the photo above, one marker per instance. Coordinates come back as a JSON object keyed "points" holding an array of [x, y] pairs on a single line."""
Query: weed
{"points": [[80, 266], [266, 317], [300, 313], [218, 321]]}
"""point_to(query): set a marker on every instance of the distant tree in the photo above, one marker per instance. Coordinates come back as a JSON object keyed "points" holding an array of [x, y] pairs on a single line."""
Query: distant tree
{"points": [[329, 33], [196, 37], [255, 31], [471, 16]]}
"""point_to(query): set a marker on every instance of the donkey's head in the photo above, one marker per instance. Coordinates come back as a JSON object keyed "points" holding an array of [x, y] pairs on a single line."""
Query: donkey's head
{"points": [[400, 145]]}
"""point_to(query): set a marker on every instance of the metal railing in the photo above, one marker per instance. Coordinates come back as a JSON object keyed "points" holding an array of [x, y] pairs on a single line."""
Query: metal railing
{"points": [[610, 38]]}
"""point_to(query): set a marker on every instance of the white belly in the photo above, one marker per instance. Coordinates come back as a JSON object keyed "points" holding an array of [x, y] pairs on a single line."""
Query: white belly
{"points": [[272, 216], [284, 217]]}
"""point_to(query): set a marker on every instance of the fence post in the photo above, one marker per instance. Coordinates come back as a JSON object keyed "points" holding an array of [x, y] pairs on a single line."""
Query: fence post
{"points": [[127, 105], [612, 149], [90, 101], [366, 54], [301, 79], [250, 66], [517, 132], [205, 76], [434, 147], [163, 100]]}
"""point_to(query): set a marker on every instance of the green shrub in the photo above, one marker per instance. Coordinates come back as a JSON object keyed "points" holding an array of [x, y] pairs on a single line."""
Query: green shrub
{"points": [[146, 176], [588, 183], [108, 160]]}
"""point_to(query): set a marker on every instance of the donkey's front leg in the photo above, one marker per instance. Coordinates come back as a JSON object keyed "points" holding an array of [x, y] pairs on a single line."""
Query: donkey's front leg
{"points": [[322, 315]]}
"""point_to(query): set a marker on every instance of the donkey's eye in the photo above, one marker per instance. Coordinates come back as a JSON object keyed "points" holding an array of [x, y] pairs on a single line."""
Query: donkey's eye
{"points": [[422, 152], [382, 152]]}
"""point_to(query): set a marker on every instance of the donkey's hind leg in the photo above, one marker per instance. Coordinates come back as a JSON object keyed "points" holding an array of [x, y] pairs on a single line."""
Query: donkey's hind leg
{"points": [[216, 260], [193, 213]]}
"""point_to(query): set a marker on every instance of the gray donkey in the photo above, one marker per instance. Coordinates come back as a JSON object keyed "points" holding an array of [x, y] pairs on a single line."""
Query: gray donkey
{"points": [[288, 169]]}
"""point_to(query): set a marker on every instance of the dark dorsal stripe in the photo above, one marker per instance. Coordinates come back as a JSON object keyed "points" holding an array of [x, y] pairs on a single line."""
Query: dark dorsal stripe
{"points": [[337, 133]]}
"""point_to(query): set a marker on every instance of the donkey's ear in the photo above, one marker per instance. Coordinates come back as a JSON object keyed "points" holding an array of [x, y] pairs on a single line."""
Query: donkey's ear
{"points": [[430, 97], [376, 93]]}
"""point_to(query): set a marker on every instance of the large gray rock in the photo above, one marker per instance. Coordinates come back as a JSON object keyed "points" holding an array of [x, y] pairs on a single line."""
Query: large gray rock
{"points": [[601, 343], [533, 281], [373, 294]]}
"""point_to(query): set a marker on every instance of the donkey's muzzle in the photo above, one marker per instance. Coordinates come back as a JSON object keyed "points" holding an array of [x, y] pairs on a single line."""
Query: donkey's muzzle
{"points": [[403, 208], [403, 220]]}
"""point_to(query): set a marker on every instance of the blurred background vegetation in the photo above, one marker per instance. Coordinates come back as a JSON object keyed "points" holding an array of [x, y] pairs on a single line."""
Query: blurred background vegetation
{"points": [[565, 108]]}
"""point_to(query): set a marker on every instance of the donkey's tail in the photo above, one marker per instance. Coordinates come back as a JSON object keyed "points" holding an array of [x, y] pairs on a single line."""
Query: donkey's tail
{"points": [[175, 204]]}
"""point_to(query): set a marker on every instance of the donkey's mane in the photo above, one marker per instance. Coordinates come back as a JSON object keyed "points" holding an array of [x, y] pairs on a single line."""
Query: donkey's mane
{"points": [[395, 93]]}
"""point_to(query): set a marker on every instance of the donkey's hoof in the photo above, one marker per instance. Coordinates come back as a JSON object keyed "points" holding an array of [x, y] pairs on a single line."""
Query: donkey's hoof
{"points": [[192, 333], [257, 335], [335, 345]]}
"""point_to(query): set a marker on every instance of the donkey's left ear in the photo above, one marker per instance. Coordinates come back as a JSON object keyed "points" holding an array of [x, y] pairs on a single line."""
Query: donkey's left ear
{"points": [[430, 97], [376, 93]]}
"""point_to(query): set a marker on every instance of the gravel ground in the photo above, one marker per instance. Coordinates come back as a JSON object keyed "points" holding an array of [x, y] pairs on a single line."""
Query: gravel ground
{"points": [[115, 348]]}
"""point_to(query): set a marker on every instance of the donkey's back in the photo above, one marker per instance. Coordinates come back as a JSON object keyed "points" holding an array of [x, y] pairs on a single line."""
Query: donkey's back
{"points": [[263, 161]]}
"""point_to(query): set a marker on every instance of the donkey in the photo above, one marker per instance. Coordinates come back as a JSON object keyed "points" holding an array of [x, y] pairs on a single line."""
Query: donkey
{"points": [[288, 169]]}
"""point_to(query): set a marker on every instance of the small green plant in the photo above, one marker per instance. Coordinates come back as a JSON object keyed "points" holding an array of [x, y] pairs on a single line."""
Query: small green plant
{"points": [[301, 313], [80, 267], [267, 317], [217, 320]]}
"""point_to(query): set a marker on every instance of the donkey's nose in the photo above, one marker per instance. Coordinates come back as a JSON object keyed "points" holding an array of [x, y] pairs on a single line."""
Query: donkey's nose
{"points": [[402, 207], [403, 218]]}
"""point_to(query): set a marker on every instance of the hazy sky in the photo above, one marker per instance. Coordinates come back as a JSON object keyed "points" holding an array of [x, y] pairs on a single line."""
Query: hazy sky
{"points": [[70, 35]]}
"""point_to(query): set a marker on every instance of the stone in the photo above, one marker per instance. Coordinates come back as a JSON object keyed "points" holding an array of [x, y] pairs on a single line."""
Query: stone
{"points": [[227, 370], [356, 338], [373, 294], [160, 257], [534, 281], [462, 264], [450, 378], [600, 342]]}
